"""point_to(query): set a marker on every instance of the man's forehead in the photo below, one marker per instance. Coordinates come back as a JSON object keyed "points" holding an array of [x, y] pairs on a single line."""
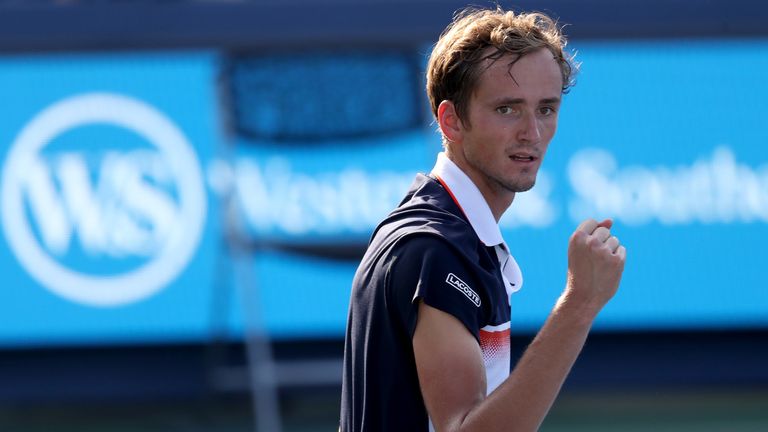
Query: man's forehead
{"points": [[516, 71], [508, 61]]}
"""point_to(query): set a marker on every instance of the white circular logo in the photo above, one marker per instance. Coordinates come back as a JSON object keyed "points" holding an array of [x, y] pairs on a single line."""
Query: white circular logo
{"points": [[180, 238]]}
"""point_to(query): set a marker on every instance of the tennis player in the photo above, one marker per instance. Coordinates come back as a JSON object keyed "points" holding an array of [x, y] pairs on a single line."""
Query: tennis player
{"points": [[427, 344]]}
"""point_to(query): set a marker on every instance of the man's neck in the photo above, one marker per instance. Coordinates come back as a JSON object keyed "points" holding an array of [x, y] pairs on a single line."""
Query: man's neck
{"points": [[498, 198]]}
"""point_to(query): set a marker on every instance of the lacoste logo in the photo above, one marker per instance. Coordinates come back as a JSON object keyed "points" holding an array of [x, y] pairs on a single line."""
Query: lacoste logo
{"points": [[462, 286]]}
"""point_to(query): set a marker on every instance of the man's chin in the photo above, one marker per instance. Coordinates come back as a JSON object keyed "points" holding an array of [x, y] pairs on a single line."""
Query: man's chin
{"points": [[526, 184], [520, 187], [527, 187]]}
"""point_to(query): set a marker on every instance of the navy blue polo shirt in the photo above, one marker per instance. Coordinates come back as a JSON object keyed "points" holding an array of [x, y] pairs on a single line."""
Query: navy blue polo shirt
{"points": [[426, 250]]}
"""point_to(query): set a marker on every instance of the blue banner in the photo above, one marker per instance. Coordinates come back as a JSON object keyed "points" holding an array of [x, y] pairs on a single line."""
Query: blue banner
{"points": [[127, 215]]}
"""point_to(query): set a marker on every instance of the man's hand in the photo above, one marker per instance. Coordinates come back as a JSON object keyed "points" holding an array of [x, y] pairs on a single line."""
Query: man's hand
{"points": [[450, 363], [595, 264]]}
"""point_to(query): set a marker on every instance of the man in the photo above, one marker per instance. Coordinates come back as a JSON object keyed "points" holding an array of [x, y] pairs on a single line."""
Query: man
{"points": [[427, 344]]}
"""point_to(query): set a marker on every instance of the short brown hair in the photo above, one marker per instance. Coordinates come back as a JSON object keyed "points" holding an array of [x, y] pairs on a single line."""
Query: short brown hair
{"points": [[453, 70]]}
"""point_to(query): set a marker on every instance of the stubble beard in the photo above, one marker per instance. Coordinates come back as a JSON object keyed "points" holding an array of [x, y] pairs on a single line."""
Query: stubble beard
{"points": [[523, 183], [517, 186]]}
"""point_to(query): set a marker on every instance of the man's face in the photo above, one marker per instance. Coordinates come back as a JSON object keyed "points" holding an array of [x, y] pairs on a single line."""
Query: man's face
{"points": [[512, 118]]}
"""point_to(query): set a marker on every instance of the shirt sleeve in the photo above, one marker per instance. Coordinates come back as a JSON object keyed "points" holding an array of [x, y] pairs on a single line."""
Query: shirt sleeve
{"points": [[427, 268]]}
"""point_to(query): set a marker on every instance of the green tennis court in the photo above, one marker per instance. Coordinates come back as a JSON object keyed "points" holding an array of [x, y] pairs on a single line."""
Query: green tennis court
{"points": [[705, 410]]}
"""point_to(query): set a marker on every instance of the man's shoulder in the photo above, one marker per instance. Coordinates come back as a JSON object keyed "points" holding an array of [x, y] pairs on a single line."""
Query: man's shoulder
{"points": [[427, 210], [426, 227]]}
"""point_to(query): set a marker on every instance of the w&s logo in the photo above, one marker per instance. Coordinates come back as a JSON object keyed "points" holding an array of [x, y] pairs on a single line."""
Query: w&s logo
{"points": [[102, 199]]}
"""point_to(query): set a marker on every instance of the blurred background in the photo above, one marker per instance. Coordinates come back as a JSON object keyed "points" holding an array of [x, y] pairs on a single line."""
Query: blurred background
{"points": [[187, 187]]}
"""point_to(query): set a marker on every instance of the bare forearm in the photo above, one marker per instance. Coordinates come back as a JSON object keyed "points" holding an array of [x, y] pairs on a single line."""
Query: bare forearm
{"points": [[595, 264], [523, 400]]}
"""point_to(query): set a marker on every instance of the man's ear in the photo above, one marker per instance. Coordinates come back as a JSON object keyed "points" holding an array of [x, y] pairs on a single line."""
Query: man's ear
{"points": [[450, 124]]}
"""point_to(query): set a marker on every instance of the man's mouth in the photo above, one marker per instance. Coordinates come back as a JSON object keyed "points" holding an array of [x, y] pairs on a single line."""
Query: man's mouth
{"points": [[519, 157]]}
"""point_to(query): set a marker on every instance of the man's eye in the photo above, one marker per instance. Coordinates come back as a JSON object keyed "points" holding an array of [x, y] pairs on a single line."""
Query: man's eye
{"points": [[505, 110], [546, 111]]}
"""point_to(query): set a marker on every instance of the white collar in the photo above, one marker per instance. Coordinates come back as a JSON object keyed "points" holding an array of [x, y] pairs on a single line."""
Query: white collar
{"points": [[470, 200], [476, 209]]}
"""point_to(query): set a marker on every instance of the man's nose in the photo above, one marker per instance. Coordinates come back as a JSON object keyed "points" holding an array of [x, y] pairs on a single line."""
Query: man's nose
{"points": [[531, 129]]}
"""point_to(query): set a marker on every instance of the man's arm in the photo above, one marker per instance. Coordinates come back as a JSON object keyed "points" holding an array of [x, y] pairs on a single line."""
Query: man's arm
{"points": [[450, 364]]}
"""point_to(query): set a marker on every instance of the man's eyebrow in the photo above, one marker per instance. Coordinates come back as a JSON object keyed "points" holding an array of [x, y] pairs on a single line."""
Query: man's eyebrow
{"points": [[509, 101], [517, 101], [552, 100]]}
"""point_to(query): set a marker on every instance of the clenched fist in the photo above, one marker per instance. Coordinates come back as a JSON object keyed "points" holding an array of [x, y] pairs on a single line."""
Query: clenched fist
{"points": [[595, 264]]}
